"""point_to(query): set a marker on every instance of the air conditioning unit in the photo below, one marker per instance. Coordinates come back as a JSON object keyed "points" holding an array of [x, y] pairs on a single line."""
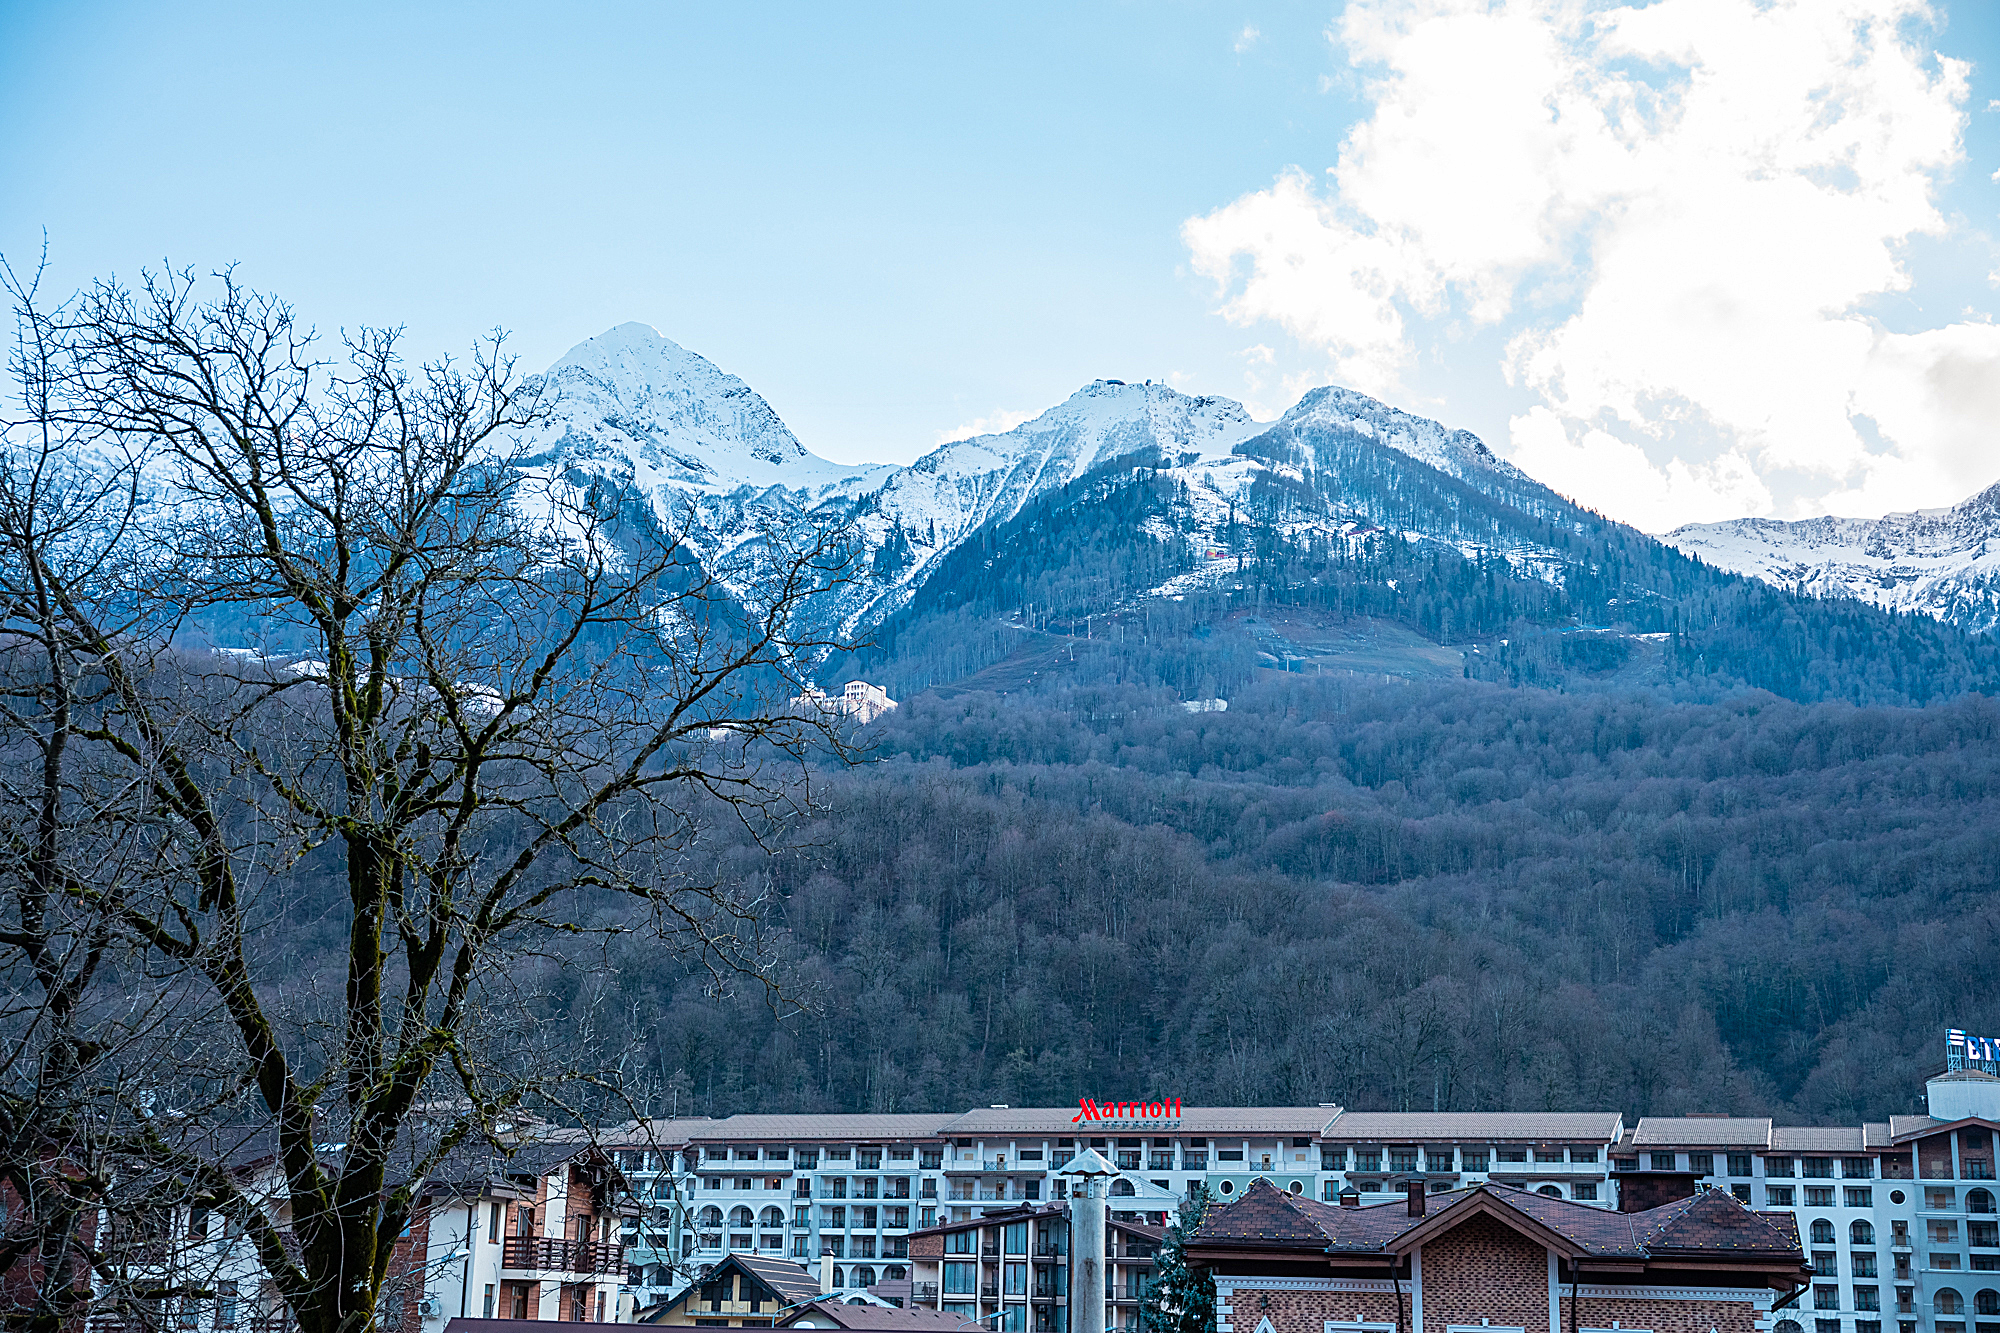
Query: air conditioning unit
{"points": [[430, 1307]]}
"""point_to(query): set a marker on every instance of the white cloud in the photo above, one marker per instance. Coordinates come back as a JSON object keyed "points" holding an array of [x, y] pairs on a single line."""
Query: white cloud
{"points": [[1246, 39], [1674, 214], [998, 422]]}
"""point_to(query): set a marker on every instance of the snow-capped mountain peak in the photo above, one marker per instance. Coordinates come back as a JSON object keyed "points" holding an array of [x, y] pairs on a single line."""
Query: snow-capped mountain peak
{"points": [[1457, 453], [634, 397], [1941, 562]]}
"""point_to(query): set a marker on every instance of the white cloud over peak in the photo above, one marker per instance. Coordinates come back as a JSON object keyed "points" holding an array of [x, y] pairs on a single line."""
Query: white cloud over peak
{"points": [[1247, 38], [1675, 214]]}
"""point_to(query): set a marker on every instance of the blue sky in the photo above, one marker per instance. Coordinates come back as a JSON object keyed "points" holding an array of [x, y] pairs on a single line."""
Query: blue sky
{"points": [[898, 223]]}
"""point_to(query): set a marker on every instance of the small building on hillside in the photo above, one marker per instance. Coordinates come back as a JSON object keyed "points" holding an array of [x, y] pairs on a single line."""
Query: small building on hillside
{"points": [[742, 1291], [857, 699], [1493, 1259]]}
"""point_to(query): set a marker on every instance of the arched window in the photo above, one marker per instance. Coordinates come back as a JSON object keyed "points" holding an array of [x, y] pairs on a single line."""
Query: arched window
{"points": [[1822, 1231], [1979, 1201], [739, 1216], [1862, 1233], [711, 1216], [774, 1217], [1788, 1326], [1122, 1188], [864, 1276], [1948, 1301], [895, 1273], [1987, 1302], [1553, 1191]]}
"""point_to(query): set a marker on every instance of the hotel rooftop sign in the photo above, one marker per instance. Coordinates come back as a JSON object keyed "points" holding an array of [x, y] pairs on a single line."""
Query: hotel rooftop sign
{"points": [[1128, 1115]]}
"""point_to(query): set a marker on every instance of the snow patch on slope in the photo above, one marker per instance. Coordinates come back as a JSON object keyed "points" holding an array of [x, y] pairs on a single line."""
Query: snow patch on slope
{"points": [[1939, 562]]}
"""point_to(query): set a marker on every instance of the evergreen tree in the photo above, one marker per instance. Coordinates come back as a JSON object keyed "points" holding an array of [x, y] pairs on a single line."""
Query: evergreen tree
{"points": [[1180, 1299]]}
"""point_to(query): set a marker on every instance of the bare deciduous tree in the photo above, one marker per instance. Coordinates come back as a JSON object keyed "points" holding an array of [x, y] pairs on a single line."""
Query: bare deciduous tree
{"points": [[341, 630]]}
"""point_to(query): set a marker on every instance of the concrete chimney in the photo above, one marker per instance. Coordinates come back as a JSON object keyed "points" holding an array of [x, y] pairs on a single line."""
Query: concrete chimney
{"points": [[1414, 1191]]}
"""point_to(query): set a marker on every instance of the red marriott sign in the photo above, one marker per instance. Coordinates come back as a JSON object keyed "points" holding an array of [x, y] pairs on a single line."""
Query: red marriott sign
{"points": [[1143, 1112]]}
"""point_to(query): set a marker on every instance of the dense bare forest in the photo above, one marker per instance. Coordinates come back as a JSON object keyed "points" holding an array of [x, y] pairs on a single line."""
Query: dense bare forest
{"points": [[1397, 896]]}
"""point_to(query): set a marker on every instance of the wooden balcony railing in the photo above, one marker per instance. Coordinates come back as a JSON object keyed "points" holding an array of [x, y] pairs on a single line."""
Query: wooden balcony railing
{"points": [[552, 1254]]}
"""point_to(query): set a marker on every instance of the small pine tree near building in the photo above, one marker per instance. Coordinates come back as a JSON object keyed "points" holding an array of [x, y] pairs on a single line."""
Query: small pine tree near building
{"points": [[1180, 1299]]}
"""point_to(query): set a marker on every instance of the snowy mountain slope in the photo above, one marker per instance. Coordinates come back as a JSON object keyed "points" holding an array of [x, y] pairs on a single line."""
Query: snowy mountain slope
{"points": [[637, 400], [1940, 562], [711, 457]]}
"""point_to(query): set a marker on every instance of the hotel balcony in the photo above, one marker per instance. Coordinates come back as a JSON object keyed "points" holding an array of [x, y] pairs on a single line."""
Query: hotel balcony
{"points": [[549, 1254]]}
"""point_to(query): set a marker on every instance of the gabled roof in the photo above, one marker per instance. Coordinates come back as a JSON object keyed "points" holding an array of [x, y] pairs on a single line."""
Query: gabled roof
{"points": [[1659, 1131], [837, 1128], [1473, 1126], [786, 1280], [1803, 1138], [1903, 1128], [863, 1317], [1712, 1224]]}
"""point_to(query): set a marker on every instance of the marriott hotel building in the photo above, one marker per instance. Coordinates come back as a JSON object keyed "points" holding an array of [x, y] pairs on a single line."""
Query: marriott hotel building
{"points": [[1898, 1219]]}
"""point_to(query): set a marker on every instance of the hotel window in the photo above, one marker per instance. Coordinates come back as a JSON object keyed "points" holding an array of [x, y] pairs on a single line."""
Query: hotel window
{"points": [[933, 1158], [959, 1242], [486, 1306], [1512, 1154], [865, 1218], [808, 1159], [839, 1154], [1624, 1164], [1986, 1235], [834, 1218], [1864, 1263], [1858, 1168], [927, 1217], [864, 1248], [958, 1278], [896, 1219], [1016, 1279], [1739, 1164], [1825, 1263], [1585, 1190], [1778, 1196], [1333, 1159], [1741, 1193], [868, 1159], [1702, 1163], [1437, 1159], [1548, 1154], [1475, 1159], [1583, 1154], [1819, 1196], [1826, 1297], [1402, 1159], [1661, 1161], [1817, 1168], [1778, 1168], [1858, 1196], [1867, 1298], [1367, 1159]]}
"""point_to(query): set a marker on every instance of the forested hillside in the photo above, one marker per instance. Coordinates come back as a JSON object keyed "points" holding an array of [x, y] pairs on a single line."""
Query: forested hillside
{"points": [[1394, 896]]}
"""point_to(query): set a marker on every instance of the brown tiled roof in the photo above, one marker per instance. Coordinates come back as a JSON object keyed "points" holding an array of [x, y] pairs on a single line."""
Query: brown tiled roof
{"points": [[1199, 1121], [866, 1318], [1711, 1223], [791, 1282], [1658, 1131], [1875, 1135], [838, 1128], [1802, 1138], [1902, 1127], [1476, 1126]]}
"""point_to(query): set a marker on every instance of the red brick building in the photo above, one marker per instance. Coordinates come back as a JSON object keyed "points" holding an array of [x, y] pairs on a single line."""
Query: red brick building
{"points": [[1496, 1260]]}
